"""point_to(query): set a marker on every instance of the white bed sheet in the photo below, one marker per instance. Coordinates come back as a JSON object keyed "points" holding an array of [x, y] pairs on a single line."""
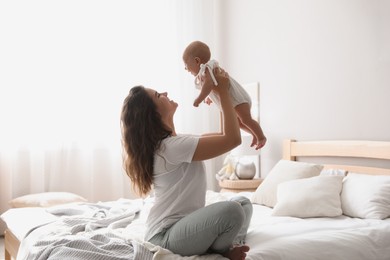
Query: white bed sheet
{"points": [[269, 237], [340, 238], [317, 238]]}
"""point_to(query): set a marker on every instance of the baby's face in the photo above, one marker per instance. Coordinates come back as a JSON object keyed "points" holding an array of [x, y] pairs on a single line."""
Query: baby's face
{"points": [[191, 65]]}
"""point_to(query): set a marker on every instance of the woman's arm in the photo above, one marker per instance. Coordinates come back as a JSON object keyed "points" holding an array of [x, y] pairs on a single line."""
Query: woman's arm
{"points": [[210, 146]]}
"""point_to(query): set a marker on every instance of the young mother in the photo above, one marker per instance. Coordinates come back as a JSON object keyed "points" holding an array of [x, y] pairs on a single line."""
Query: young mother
{"points": [[170, 164]]}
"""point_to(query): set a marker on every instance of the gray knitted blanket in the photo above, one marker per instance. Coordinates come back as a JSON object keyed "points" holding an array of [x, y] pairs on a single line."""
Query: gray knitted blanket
{"points": [[88, 232]]}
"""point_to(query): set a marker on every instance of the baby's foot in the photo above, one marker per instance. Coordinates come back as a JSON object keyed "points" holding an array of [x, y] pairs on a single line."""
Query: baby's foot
{"points": [[261, 143], [237, 253], [254, 141]]}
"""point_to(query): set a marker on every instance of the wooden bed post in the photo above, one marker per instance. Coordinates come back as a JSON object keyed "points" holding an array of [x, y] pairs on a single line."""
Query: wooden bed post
{"points": [[287, 146], [11, 245]]}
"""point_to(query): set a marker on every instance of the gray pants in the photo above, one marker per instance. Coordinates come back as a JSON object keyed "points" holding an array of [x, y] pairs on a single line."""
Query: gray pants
{"points": [[214, 228]]}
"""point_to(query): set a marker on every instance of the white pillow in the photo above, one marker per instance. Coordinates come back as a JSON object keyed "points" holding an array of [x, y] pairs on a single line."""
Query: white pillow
{"points": [[366, 196], [309, 197], [283, 171], [45, 199]]}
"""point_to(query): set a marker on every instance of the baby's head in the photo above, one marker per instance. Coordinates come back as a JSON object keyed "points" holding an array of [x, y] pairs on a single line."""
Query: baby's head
{"points": [[195, 54]]}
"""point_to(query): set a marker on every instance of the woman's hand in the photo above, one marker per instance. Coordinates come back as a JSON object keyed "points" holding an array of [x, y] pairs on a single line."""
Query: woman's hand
{"points": [[222, 78]]}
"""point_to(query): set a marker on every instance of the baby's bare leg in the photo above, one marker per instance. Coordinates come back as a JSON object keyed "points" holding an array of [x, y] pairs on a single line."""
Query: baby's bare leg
{"points": [[250, 125]]}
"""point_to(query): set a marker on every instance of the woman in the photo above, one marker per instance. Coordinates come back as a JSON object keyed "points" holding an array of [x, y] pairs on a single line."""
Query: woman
{"points": [[156, 157]]}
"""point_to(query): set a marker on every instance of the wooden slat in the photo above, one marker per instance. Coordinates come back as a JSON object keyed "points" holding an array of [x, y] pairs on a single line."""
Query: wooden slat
{"points": [[349, 149], [359, 149]]}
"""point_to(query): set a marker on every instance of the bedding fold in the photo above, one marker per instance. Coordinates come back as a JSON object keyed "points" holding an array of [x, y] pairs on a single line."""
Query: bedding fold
{"points": [[85, 231]]}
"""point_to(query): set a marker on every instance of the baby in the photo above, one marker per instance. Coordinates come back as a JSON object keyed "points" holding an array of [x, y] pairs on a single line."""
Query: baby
{"points": [[197, 61]]}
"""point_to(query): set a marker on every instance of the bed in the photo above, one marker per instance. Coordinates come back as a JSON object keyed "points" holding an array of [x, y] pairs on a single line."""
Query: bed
{"points": [[302, 210]]}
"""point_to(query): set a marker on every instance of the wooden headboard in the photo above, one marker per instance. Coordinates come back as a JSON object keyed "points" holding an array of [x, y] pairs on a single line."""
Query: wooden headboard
{"points": [[348, 149]]}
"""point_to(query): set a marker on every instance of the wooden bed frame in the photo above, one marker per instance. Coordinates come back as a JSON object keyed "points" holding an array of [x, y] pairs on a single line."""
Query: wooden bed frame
{"points": [[11, 245], [345, 149], [292, 150]]}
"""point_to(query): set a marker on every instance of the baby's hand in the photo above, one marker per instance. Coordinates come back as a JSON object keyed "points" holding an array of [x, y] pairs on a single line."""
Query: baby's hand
{"points": [[208, 101]]}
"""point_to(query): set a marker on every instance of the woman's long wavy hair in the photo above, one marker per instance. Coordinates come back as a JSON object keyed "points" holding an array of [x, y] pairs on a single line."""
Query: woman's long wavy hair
{"points": [[142, 133]]}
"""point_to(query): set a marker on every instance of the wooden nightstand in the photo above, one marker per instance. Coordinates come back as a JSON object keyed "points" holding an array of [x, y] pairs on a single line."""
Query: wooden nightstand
{"points": [[239, 185]]}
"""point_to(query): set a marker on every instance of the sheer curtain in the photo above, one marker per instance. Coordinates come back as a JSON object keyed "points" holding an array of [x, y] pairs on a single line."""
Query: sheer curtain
{"points": [[65, 68]]}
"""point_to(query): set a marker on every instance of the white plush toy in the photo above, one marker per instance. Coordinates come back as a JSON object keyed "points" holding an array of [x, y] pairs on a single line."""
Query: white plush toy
{"points": [[228, 170]]}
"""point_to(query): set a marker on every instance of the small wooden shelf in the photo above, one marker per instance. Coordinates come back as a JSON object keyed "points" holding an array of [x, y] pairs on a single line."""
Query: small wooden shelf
{"points": [[239, 185]]}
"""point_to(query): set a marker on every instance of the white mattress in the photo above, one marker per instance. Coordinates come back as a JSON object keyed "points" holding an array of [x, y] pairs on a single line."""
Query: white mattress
{"points": [[269, 237], [21, 220]]}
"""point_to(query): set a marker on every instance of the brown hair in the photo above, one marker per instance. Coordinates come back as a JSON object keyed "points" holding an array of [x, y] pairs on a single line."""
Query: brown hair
{"points": [[142, 133]]}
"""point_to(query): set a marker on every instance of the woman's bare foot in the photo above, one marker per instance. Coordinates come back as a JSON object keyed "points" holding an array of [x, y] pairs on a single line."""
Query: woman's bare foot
{"points": [[237, 253]]}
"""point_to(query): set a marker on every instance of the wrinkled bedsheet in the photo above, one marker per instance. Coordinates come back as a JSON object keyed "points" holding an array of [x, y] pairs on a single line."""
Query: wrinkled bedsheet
{"points": [[114, 230]]}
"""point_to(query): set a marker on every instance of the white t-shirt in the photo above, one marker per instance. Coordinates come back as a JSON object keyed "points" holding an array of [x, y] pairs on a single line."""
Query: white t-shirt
{"points": [[179, 183]]}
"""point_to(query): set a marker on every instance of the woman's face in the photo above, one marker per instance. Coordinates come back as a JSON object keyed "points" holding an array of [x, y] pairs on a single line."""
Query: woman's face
{"points": [[165, 106]]}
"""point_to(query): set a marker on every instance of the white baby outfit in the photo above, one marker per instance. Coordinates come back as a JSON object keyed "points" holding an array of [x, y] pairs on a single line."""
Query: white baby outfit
{"points": [[236, 91]]}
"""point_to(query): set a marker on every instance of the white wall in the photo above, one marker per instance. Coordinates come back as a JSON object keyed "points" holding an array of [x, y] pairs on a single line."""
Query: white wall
{"points": [[323, 67]]}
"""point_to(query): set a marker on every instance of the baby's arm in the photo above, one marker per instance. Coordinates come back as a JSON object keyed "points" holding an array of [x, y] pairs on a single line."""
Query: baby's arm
{"points": [[207, 85]]}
